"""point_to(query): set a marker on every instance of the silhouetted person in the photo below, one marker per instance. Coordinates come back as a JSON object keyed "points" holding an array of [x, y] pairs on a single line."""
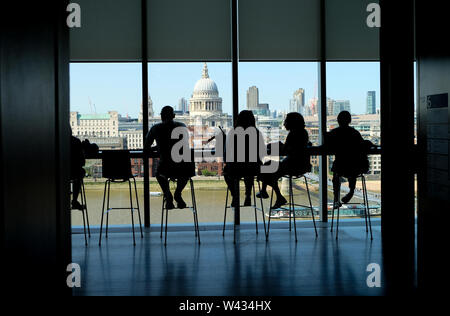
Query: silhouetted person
{"points": [[296, 160], [77, 172], [247, 169], [167, 168], [350, 151]]}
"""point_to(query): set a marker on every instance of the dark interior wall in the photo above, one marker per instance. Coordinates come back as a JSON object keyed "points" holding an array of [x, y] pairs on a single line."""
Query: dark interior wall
{"points": [[433, 140], [397, 134], [34, 86]]}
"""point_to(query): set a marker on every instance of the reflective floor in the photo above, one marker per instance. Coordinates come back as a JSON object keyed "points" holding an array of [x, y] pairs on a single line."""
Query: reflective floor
{"points": [[313, 266]]}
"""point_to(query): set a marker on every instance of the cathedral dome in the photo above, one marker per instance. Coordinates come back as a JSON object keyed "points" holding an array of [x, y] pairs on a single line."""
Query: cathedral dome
{"points": [[205, 86], [205, 99]]}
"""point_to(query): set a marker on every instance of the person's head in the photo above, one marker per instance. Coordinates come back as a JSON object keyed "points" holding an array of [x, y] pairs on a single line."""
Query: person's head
{"points": [[167, 113], [294, 120], [344, 118], [245, 119]]}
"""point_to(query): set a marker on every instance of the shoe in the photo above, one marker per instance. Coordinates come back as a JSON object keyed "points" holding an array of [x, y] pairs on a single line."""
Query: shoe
{"points": [[262, 195], [279, 202], [248, 200], [180, 202], [337, 204], [347, 198], [169, 205], [234, 203], [77, 206]]}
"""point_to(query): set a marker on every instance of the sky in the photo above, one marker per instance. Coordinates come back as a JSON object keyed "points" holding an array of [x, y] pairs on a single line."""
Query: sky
{"points": [[103, 87]]}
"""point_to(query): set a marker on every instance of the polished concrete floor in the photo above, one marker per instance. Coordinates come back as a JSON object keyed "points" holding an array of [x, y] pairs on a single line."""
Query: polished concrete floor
{"points": [[313, 266]]}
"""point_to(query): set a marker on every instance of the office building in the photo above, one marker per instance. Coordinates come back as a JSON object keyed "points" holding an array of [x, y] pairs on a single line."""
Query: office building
{"points": [[252, 98], [183, 106], [341, 105], [371, 103]]}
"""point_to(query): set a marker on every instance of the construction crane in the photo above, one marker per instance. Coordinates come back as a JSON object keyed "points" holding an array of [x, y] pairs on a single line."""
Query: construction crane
{"points": [[92, 106]]}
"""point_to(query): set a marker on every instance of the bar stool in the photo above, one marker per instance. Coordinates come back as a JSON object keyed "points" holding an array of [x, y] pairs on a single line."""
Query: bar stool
{"points": [[84, 211], [253, 206], [366, 210], [193, 208], [116, 168], [292, 205]]}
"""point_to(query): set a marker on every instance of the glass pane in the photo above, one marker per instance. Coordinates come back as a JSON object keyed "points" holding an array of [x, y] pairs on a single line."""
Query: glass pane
{"points": [[106, 110], [271, 90], [201, 94], [355, 87]]}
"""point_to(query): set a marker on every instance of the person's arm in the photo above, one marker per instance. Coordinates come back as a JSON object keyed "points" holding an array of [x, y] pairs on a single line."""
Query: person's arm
{"points": [[149, 139], [261, 144]]}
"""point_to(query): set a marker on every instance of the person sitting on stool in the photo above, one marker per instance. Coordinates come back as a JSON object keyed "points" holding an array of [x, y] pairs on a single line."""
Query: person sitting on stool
{"points": [[77, 172], [167, 168], [350, 151], [296, 161], [235, 170]]}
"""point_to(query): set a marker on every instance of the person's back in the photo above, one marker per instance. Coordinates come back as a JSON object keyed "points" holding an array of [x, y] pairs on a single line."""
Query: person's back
{"points": [[295, 151], [162, 134], [244, 158], [77, 159], [167, 167], [348, 147]]}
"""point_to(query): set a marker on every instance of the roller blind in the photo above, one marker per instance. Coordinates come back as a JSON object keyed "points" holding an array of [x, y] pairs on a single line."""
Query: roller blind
{"points": [[279, 29], [347, 35], [194, 30], [110, 31]]}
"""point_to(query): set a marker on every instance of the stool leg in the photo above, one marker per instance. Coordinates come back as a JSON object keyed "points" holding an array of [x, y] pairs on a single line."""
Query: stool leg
{"points": [[103, 212], [310, 205], [337, 223], [107, 208], [238, 197], [165, 237], [85, 207], [367, 206], [162, 215], [225, 214], [290, 202], [292, 206], [132, 210], [138, 208], [84, 227], [332, 218], [270, 215], [254, 207], [195, 208], [262, 209]]}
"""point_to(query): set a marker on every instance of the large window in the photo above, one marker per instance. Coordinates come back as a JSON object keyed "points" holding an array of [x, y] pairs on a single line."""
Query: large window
{"points": [[271, 90], [106, 110], [355, 87], [106, 97], [201, 94]]}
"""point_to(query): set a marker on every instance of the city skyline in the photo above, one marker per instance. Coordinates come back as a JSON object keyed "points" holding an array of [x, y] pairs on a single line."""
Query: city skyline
{"points": [[100, 88]]}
